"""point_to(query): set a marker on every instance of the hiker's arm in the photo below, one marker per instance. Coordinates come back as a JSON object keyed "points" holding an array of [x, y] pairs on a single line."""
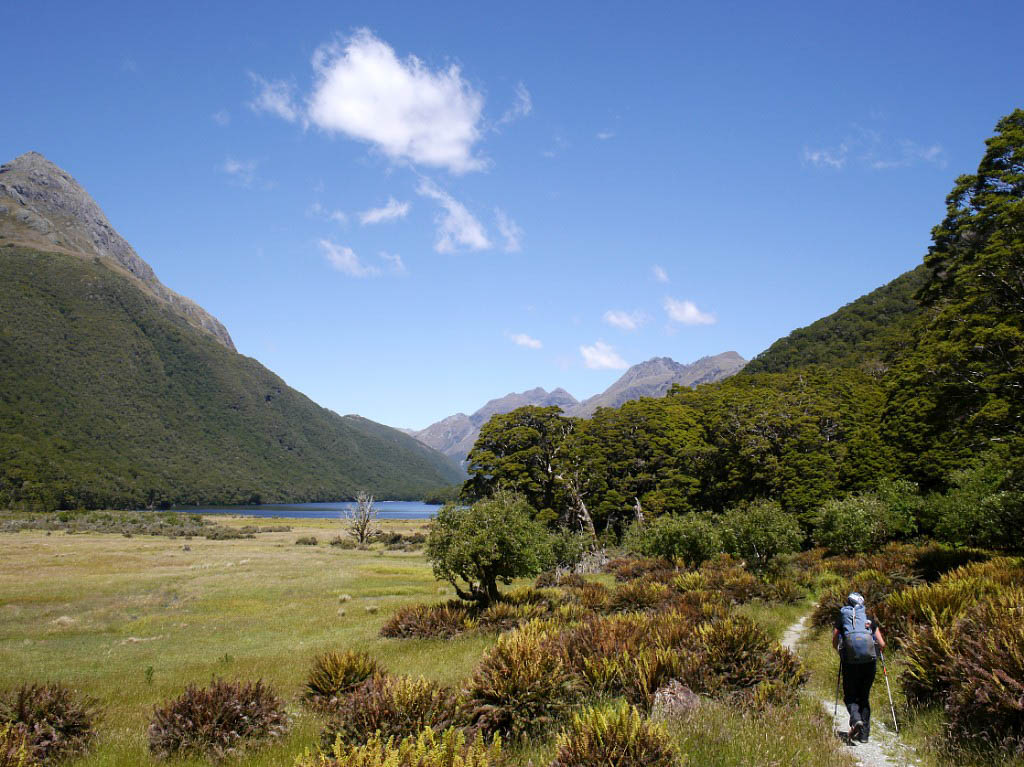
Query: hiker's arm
{"points": [[879, 639], [835, 638]]}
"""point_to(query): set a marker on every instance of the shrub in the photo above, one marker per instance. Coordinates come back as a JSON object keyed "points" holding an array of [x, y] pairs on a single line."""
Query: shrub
{"points": [[306, 540], [394, 706], [336, 674], [549, 598], [873, 585], [691, 537], [860, 523], [218, 720], [568, 548], [567, 580], [631, 568], [343, 543], [759, 532], [593, 596], [614, 736], [522, 685], [505, 616], [425, 749], [927, 655], [638, 595], [56, 721], [441, 621], [14, 748]]}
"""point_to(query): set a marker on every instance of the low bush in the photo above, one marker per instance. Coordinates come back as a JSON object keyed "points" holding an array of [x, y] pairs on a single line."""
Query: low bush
{"points": [[521, 686], [631, 568], [549, 598], [218, 720], [55, 720], [873, 585], [614, 736], [860, 523], [306, 540], [927, 653], [425, 749], [639, 595], [336, 674], [14, 749], [441, 621], [593, 596], [692, 538], [505, 616], [393, 706], [759, 532], [343, 543], [554, 578]]}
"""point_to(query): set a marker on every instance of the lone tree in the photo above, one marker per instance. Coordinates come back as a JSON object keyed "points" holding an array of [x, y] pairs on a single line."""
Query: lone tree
{"points": [[361, 520], [495, 539]]}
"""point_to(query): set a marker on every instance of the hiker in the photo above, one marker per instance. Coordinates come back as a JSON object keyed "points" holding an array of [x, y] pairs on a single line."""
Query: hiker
{"points": [[855, 638]]}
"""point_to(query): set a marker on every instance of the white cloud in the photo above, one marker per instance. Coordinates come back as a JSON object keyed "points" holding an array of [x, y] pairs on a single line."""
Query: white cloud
{"points": [[222, 118], [827, 158], [457, 226], [319, 211], [392, 210], [625, 320], [521, 108], [687, 313], [601, 356], [909, 153], [396, 265], [510, 230], [242, 171], [402, 107], [275, 97], [659, 274], [344, 259], [869, 148], [605, 135], [521, 339]]}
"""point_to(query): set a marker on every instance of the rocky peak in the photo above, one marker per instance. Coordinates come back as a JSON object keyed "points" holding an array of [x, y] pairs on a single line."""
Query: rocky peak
{"points": [[42, 206]]}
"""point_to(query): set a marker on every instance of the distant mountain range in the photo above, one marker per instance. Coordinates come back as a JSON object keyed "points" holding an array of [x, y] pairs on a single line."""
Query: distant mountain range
{"points": [[115, 391], [455, 435]]}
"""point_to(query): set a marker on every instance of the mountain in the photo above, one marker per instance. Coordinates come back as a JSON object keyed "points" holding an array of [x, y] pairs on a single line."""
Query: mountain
{"points": [[117, 392], [455, 435], [867, 332], [656, 376]]}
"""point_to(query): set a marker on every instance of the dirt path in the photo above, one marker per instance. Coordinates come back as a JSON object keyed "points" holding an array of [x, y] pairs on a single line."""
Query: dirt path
{"points": [[884, 748]]}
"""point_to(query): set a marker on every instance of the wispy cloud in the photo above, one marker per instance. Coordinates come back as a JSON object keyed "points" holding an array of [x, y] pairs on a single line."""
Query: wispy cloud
{"points": [[345, 260], [401, 106], [241, 171], [687, 313], [521, 339], [522, 106], [605, 135], [222, 118], [659, 274], [510, 230], [456, 227], [394, 261], [319, 211], [392, 209], [601, 356], [625, 320], [869, 148], [274, 97]]}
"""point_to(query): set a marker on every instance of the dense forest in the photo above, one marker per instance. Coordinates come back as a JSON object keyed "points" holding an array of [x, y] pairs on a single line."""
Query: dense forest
{"points": [[108, 399], [910, 398]]}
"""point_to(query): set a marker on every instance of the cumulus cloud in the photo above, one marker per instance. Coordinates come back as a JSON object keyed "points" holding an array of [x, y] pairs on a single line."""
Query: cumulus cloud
{"points": [[601, 356], [275, 97], [522, 106], [659, 274], [687, 313], [510, 230], [344, 259], [625, 320], [242, 171], [401, 106], [392, 210], [456, 227], [521, 339]]}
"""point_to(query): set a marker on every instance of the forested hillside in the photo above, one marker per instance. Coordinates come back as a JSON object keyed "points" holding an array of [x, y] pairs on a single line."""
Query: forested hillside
{"points": [[109, 398]]}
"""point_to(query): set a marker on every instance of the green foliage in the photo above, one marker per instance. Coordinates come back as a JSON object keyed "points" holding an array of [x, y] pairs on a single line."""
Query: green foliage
{"points": [[218, 720], [425, 749], [306, 540], [50, 721], [493, 540], [864, 521], [692, 538], [442, 621], [112, 401], [873, 585], [392, 706], [169, 523], [614, 736], [638, 595], [505, 616], [523, 684], [334, 675], [760, 532]]}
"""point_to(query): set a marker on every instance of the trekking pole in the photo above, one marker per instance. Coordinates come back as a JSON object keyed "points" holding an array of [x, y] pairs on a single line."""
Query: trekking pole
{"points": [[839, 674], [889, 690]]}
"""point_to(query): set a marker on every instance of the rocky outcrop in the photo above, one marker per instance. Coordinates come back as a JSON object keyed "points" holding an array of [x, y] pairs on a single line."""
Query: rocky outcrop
{"points": [[44, 207]]}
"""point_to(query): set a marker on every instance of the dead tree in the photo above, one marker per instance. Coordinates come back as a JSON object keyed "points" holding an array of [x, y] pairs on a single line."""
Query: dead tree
{"points": [[361, 520]]}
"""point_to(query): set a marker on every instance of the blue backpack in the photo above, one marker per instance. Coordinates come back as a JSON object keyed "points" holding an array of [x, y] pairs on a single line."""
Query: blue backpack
{"points": [[858, 640]]}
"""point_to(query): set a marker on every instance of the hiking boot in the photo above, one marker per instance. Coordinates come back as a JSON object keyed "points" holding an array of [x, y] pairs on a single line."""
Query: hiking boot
{"points": [[857, 731]]}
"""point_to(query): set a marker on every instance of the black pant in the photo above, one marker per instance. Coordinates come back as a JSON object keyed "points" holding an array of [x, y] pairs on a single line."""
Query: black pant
{"points": [[857, 681]]}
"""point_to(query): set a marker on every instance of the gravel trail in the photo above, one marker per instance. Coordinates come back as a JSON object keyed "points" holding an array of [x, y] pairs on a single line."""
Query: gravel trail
{"points": [[884, 749]]}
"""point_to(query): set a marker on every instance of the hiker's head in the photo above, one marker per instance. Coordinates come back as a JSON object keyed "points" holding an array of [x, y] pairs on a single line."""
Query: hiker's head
{"points": [[855, 599]]}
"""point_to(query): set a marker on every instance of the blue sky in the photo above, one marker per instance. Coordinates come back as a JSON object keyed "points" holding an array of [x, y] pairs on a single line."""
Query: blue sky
{"points": [[406, 209]]}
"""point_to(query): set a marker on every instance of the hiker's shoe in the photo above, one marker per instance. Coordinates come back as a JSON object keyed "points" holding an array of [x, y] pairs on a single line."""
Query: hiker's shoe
{"points": [[857, 731]]}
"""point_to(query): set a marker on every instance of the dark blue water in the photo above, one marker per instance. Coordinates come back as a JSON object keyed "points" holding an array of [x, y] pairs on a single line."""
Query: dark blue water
{"points": [[331, 510]]}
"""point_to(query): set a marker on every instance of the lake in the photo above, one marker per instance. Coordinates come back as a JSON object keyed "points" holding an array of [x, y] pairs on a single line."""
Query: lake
{"points": [[330, 510]]}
